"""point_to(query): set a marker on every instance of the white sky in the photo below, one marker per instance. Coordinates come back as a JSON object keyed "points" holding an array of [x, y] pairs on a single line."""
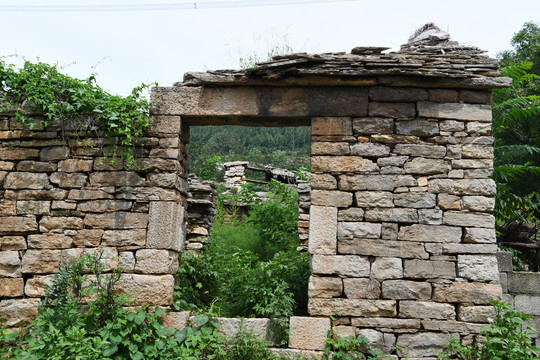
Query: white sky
{"points": [[160, 46]]}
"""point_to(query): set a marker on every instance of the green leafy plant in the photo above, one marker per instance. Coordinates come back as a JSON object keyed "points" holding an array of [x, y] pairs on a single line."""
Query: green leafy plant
{"points": [[80, 105], [209, 168], [506, 338], [350, 347]]}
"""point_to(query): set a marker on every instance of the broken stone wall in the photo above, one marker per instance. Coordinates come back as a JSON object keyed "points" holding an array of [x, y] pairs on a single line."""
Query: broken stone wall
{"points": [[60, 198], [521, 289], [201, 209]]}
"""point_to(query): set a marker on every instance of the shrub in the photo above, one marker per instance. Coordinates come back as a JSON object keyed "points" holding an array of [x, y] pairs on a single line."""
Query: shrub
{"points": [[68, 328], [505, 339]]}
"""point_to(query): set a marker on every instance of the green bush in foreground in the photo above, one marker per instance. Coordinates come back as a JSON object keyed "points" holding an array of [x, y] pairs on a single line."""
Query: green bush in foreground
{"points": [[505, 339]]}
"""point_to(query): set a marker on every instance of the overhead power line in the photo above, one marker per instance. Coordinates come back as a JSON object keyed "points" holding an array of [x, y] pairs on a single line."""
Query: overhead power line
{"points": [[160, 7]]}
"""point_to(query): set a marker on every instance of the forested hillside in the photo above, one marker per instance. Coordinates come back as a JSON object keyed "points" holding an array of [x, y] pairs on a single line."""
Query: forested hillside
{"points": [[286, 148]]}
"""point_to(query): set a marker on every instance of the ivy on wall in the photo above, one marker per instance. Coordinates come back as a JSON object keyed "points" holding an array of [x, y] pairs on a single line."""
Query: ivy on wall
{"points": [[40, 88]]}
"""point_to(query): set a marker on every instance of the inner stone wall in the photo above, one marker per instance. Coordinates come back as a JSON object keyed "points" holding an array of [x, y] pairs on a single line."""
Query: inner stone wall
{"points": [[60, 199]]}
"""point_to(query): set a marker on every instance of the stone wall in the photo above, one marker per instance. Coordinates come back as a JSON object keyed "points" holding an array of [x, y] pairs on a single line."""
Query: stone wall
{"points": [[201, 209], [521, 289], [401, 233], [60, 198]]}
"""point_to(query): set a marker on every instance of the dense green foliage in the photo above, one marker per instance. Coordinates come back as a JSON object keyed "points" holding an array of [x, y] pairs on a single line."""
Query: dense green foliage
{"points": [[516, 127], [79, 105], [505, 339], [69, 328], [251, 268], [286, 148]]}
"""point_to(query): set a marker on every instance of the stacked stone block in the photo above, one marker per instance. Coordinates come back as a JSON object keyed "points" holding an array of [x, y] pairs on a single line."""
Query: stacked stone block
{"points": [[401, 232], [60, 198], [201, 200], [304, 203]]}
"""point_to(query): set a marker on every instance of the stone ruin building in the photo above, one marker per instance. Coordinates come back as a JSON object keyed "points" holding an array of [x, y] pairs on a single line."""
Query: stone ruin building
{"points": [[401, 234]]}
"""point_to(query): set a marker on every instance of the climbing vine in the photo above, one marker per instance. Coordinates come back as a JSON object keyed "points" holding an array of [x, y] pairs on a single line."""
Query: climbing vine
{"points": [[40, 88]]}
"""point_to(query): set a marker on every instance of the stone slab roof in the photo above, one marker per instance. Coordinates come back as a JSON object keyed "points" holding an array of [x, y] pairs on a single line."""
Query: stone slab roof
{"points": [[429, 54]]}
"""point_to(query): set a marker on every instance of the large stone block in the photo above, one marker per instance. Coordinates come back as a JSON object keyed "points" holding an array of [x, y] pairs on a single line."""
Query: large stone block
{"points": [[10, 264], [383, 342], [37, 285], [308, 333], [455, 111], [483, 187], [25, 207], [118, 178], [69, 180], [405, 289], [331, 198], [166, 227], [476, 314], [374, 199], [152, 261], [323, 182], [469, 248], [430, 233], [352, 307], [147, 289], [421, 150], [370, 150], [75, 165], [467, 292], [478, 267], [351, 214], [398, 249], [375, 182], [88, 237], [421, 345], [18, 225], [165, 125], [325, 287], [399, 215], [452, 326], [176, 319], [12, 243], [392, 110], [472, 164], [342, 164], [373, 125], [54, 153], [343, 265], [397, 94], [41, 261], [117, 220], [49, 241], [424, 166], [135, 237], [260, 327], [416, 200], [16, 313], [322, 230], [26, 180], [59, 224], [99, 206], [387, 323], [384, 268], [11, 287], [524, 283], [361, 288], [331, 126], [429, 269], [359, 230], [329, 148], [469, 219], [478, 203], [426, 310], [421, 128], [472, 151]]}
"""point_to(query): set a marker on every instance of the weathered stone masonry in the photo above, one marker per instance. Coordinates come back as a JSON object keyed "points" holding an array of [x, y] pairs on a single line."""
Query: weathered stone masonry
{"points": [[60, 199], [401, 234]]}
